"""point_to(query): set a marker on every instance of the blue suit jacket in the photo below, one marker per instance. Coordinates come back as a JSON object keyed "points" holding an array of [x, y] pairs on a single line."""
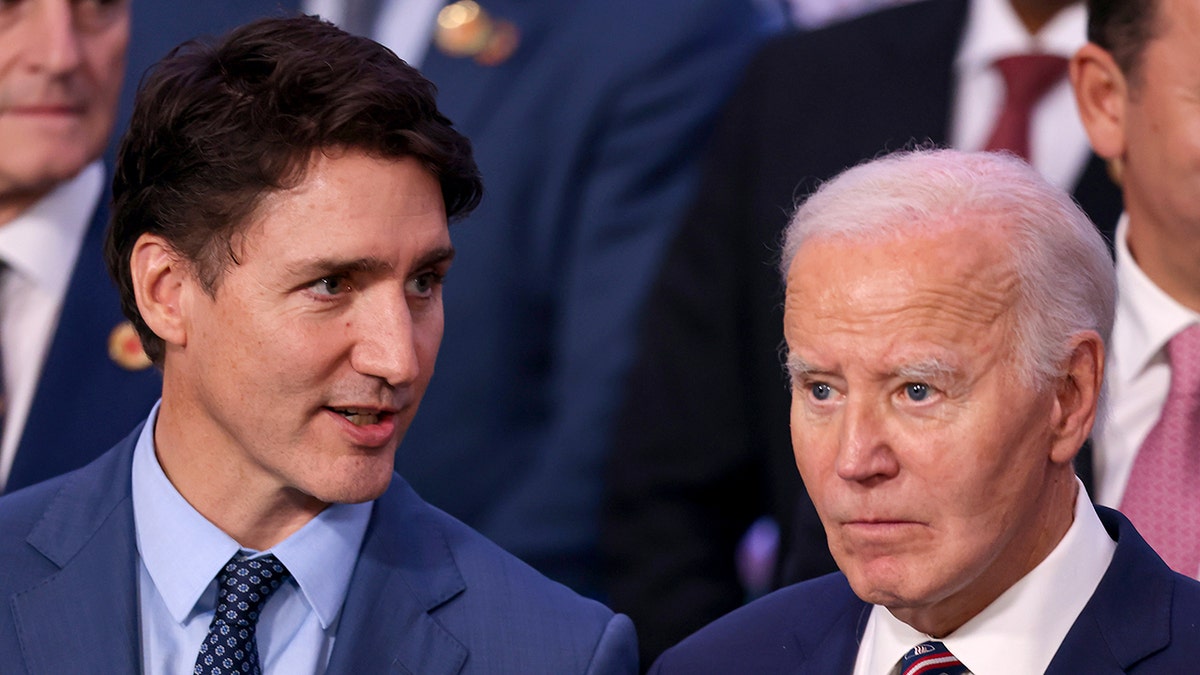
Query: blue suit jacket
{"points": [[1143, 618], [428, 595]]}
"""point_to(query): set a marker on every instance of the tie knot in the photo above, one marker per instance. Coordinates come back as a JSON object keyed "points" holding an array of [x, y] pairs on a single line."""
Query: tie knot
{"points": [[244, 585], [1027, 77], [931, 658], [1184, 352]]}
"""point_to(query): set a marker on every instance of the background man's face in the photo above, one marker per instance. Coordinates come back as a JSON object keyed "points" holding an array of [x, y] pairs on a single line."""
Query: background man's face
{"points": [[61, 65], [1162, 128], [304, 371], [924, 451]]}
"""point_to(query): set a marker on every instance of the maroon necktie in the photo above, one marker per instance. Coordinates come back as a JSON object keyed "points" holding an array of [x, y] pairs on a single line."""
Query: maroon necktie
{"points": [[1163, 495], [1027, 78]]}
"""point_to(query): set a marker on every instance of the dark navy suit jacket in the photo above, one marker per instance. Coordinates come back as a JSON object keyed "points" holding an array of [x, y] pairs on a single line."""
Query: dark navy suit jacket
{"points": [[428, 595], [1142, 618]]}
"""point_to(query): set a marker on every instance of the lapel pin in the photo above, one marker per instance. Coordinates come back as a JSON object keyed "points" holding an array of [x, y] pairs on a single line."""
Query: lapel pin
{"points": [[466, 29], [125, 348]]}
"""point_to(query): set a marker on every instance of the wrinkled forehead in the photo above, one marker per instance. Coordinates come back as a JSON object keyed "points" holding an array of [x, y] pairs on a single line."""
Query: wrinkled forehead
{"points": [[952, 280]]}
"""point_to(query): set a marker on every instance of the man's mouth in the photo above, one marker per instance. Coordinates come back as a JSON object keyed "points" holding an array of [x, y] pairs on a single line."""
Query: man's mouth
{"points": [[360, 417]]}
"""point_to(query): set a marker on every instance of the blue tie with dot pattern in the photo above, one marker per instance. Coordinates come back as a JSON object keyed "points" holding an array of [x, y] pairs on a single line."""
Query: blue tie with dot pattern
{"points": [[243, 587]]}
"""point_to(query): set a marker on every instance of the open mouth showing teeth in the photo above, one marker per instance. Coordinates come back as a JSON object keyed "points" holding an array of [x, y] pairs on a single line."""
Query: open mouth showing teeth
{"points": [[359, 418]]}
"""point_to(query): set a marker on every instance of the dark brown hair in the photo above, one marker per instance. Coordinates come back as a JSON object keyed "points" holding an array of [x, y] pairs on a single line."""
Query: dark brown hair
{"points": [[218, 124]]}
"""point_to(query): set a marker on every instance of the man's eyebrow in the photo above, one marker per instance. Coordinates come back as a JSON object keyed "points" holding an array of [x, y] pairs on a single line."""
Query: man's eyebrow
{"points": [[798, 367], [437, 256], [315, 267], [925, 369]]}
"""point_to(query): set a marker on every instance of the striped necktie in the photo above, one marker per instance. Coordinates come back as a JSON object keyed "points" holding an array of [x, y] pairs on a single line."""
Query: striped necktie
{"points": [[931, 658]]}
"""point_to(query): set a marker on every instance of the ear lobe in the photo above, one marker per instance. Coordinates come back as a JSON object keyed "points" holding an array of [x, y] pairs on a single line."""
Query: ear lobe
{"points": [[1077, 399], [159, 278], [1101, 95]]}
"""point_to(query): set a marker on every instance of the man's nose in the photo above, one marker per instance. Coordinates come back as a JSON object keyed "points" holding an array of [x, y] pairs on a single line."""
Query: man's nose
{"points": [[52, 40], [386, 345], [864, 454]]}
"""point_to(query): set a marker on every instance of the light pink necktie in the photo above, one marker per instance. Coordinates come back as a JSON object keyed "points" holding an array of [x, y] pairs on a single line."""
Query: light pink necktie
{"points": [[1163, 495], [1027, 78]]}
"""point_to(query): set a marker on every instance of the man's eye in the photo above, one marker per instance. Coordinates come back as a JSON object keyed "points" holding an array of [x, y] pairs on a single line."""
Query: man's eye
{"points": [[821, 391], [916, 391], [330, 286], [423, 284]]}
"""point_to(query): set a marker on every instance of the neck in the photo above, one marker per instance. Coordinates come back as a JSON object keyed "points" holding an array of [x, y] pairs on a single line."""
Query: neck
{"points": [[1169, 257], [256, 513], [1035, 14]]}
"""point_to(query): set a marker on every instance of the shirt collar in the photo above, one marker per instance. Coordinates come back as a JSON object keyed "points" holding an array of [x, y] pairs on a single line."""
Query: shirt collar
{"points": [[183, 551], [993, 31], [1147, 318], [1022, 629], [42, 243]]}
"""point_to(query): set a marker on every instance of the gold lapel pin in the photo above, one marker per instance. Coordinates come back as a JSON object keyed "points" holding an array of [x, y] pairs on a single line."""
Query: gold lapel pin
{"points": [[125, 348], [466, 29]]}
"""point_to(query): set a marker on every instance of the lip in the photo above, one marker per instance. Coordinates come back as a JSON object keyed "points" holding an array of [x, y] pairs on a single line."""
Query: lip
{"points": [[880, 528], [372, 436]]}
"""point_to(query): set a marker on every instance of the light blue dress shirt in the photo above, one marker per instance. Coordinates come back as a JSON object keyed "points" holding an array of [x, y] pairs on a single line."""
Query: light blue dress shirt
{"points": [[181, 553]]}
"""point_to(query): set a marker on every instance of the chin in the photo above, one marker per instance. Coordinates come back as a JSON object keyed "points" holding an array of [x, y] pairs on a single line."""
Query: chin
{"points": [[353, 487]]}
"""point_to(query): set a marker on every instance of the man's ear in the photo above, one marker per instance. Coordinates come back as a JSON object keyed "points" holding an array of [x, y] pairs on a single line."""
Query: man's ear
{"points": [[1102, 95], [1077, 398], [159, 281]]}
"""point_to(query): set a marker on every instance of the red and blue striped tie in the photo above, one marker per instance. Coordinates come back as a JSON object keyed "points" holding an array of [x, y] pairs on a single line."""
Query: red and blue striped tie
{"points": [[931, 658]]}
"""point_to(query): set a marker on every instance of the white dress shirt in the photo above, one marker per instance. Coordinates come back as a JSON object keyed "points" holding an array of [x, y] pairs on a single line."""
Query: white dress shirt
{"points": [[1022, 629], [181, 553], [40, 248], [1058, 144], [1138, 373]]}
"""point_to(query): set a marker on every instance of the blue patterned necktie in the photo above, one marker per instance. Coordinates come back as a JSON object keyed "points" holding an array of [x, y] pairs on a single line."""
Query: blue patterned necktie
{"points": [[931, 658], [243, 587]]}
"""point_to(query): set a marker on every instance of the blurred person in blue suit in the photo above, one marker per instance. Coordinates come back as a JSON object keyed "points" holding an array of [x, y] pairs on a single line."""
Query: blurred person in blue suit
{"points": [[74, 376], [588, 119], [280, 239]]}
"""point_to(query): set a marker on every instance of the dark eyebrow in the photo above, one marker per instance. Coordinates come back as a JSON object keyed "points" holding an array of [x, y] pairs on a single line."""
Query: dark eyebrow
{"points": [[319, 267], [437, 256]]}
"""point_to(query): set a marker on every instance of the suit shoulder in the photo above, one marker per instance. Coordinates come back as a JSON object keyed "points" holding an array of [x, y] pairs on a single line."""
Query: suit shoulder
{"points": [[771, 634], [21, 509], [495, 570], [536, 611]]}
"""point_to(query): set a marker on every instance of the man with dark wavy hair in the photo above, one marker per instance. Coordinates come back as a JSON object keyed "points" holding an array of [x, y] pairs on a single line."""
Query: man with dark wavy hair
{"points": [[280, 239]]}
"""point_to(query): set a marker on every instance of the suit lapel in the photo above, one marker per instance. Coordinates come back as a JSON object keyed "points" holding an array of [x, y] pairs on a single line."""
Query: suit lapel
{"points": [[1118, 628], [835, 648], [404, 572], [85, 613]]}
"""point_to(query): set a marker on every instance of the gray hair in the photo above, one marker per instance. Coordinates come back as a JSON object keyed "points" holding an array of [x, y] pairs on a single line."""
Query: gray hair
{"points": [[1066, 278]]}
